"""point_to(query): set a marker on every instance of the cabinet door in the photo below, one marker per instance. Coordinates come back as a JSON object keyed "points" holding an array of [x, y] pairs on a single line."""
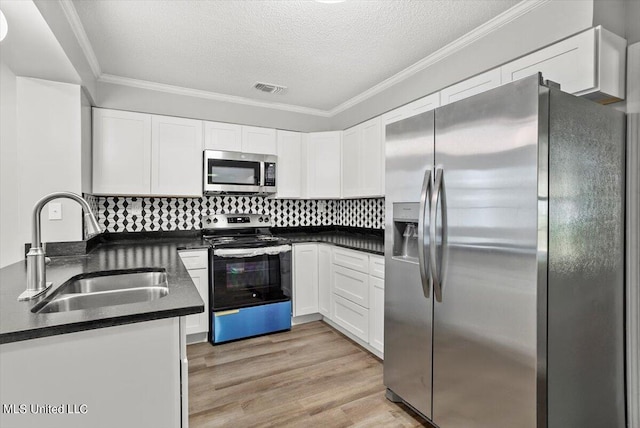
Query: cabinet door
{"points": [[176, 156], [305, 279], [222, 136], [376, 266], [422, 105], [259, 140], [351, 142], [289, 168], [121, 152], [376, 313], [571, 63], [324, 280], [324, 164], [199, 323], [371, 159], [475, 85]]}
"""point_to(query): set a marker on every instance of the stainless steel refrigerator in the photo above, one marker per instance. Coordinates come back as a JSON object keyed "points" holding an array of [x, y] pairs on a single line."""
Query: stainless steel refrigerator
{"points": [[504, 252]]}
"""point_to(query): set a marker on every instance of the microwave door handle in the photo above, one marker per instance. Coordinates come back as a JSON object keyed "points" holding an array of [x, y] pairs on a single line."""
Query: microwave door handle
{"points": [[261, 181]]}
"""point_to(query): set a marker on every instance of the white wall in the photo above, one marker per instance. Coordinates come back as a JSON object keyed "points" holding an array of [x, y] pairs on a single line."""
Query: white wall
{"points": [[633, 234], [121, 97], [49, 154], [86, 151], [9, 185], [633, 22]]}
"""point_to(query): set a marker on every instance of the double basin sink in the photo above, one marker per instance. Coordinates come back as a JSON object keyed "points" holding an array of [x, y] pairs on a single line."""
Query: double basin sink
{"points": [[106, 288]]}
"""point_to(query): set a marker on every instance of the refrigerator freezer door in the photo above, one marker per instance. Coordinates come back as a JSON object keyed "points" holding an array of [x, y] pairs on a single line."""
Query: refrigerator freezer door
{"points": [[408, 313], [485, 324]]}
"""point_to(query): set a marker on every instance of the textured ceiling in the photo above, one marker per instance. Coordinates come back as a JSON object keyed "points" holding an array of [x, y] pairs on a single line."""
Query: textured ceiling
{"points": [[324, 53]]}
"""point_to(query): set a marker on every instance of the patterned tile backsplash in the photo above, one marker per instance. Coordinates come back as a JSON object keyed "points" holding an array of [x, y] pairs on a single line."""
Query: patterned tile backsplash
{"points": [[114, 214]]}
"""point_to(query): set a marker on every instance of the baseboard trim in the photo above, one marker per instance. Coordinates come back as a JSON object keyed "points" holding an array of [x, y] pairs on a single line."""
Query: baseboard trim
{"points": [[353, 338]]}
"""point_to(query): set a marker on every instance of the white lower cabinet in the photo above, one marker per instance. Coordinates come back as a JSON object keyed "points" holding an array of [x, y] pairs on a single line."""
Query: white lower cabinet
{"points": [[305, 279], [352, 285], [325, 296], [197, 262], [348, 293], [376, 313], [132, 375], [352, 317]]}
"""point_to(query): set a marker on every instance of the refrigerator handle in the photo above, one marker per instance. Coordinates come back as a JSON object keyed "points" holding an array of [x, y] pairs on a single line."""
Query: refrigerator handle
{"points": [[437, 271], [423, 261]]}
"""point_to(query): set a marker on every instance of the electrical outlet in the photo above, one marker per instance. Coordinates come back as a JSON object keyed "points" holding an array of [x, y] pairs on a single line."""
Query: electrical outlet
{"points": [[322, 207], [55, 211], [135, 208]]}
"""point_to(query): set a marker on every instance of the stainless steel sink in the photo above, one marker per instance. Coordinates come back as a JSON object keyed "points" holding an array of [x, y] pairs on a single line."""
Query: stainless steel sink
{"points": [[107, 288]]}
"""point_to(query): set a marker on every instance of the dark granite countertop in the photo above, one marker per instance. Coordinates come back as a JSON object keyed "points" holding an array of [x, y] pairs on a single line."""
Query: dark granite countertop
{"points": [[129, 251], [17, 322], [367, 240]]}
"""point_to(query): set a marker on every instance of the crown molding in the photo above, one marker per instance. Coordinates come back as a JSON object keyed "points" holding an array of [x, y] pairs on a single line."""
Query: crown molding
{"points": [[483, 30], [179, 90], [81, 36]]}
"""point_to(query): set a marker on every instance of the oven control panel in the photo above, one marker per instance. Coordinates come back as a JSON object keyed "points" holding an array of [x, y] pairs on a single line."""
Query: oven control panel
{"points": [[236, 221]]}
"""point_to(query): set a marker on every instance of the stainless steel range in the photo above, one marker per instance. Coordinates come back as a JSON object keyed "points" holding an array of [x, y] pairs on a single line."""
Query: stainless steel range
{"points": [[249, 277]]}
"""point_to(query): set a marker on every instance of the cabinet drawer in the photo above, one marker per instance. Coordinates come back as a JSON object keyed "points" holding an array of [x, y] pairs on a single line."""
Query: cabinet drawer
{"points": [[195, 259], [376, 266], [351, 259], [351, 285], [353, 318]]}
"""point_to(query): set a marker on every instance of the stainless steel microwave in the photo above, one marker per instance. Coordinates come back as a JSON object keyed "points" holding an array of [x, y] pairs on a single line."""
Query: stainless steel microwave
{"points": [[233, 172]]}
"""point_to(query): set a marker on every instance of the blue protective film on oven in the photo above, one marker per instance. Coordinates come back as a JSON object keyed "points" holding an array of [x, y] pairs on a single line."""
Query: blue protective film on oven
{"points": [[252, 321]]}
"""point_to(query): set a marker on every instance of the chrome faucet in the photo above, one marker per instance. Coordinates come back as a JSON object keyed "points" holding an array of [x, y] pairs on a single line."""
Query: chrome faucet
{"points": [[36, 271]]}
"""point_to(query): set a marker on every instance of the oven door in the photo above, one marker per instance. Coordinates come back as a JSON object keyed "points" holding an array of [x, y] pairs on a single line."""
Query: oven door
{"points": [[232, 172], [243, 277]]}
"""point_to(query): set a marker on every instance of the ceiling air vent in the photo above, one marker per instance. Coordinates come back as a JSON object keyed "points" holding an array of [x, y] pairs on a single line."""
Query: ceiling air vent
{"points": [[269, 87]]}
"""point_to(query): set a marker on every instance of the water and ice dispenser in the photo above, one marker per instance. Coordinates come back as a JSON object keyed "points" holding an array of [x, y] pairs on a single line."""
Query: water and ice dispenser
{"points": [[405, 230]]}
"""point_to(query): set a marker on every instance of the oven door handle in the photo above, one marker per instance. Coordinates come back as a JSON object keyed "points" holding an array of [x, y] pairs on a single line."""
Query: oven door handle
{"points": [[238, 253]]}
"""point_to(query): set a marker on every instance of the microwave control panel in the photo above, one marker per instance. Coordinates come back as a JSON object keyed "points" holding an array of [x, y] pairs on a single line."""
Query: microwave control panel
{"points": [[269, 174]]}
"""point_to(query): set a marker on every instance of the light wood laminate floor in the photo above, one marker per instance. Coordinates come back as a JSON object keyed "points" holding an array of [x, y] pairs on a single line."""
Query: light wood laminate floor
{"points": [[311, 376]]}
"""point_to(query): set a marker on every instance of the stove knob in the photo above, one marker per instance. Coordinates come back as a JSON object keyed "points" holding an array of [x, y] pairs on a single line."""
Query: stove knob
{"points": [[215, 220], [208, 221]]}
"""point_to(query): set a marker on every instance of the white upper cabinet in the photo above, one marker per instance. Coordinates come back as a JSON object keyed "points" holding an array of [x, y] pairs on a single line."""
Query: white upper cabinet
{"points": [[238, 138], [289, 168], [323, 153], [222, 136], [363, 160], [143, 154], [259, 140], [475, 85], [351, 142], [176, 155], [592, 62], [121, 152], [372, 159], [414, 108]]}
